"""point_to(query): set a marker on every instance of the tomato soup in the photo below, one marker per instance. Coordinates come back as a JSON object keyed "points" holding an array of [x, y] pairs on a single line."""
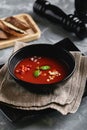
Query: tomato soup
{"points": [[41, 70]]}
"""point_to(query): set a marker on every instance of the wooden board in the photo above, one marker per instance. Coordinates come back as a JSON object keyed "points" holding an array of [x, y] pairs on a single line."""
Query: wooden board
{"points": [[32, 33]]}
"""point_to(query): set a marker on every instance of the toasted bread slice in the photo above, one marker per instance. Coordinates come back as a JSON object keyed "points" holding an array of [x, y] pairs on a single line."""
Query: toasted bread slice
{"points": [[17, 23], [9, 28], [3, 35]]}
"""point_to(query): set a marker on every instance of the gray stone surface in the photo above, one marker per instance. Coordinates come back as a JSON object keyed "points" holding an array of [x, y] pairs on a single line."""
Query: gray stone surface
{"points": [[50, 34]]}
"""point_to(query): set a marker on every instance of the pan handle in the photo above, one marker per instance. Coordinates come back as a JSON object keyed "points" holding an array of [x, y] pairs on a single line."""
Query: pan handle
{"points": [[1, 65], [67, 44]]}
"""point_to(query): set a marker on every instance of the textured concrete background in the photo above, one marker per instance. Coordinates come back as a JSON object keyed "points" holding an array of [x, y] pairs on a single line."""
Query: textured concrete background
{"points": [[50, 34]]}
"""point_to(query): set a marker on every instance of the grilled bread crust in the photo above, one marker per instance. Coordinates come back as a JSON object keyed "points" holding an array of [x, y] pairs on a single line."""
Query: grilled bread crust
{"points": [[11, 29], [17, 23], [3, 35]]}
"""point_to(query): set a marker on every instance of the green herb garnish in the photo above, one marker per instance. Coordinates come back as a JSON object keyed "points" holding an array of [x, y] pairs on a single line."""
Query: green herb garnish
{"points": [[45, 67], [37, 73]]}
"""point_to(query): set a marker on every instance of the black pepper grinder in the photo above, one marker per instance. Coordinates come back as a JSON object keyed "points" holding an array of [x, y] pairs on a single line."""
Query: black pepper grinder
{"points": [[56, 15], [81, 9]]}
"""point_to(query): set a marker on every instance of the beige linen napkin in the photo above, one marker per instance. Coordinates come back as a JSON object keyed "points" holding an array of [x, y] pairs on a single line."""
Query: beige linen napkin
{"points": [[66, 98]]}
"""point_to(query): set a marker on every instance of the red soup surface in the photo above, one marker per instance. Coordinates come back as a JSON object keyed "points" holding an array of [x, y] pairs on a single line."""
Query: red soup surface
{"points": [[41, 70]]}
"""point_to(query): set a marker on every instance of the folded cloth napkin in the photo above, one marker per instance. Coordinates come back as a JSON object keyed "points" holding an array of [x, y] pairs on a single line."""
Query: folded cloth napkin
{"points": [[66, 98]]}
